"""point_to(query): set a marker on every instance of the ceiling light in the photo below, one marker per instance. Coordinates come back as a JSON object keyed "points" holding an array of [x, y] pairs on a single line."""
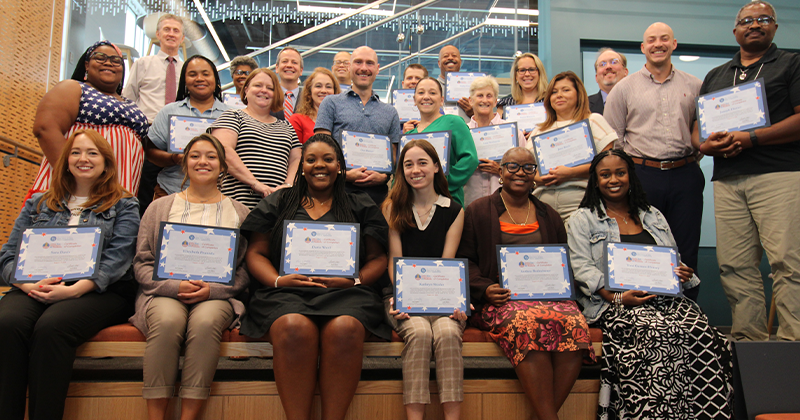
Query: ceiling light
{"points": [[510, 11], [341, 10], [508, 22], [689, 58]]}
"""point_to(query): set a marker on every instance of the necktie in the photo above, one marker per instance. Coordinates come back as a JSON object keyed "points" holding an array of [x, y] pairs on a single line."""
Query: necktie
{"points": [[171, 88], [288, 109]]}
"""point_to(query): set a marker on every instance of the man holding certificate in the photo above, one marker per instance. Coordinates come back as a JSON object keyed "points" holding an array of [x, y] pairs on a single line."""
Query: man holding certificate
{"points": [[655, 348], [756, 178]]}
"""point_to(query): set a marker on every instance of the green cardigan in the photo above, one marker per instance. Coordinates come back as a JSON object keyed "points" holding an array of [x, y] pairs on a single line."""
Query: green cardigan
{"points": [[463, 156]]}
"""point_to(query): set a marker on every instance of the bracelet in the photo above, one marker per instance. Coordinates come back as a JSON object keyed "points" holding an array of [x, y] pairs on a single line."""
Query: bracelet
{"points": [[753, 138], [618, 300], [276, 280]]}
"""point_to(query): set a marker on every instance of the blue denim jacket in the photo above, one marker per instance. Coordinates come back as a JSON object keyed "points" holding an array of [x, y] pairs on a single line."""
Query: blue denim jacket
{"points": [[120, 226], [586, 234]]}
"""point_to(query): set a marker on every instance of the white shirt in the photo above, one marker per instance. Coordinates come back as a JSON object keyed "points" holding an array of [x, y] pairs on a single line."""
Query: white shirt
{"points": [[148, 81]]}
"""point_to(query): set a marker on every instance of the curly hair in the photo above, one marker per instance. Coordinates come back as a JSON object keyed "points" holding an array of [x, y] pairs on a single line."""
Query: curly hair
{"points": [[593, 199]]}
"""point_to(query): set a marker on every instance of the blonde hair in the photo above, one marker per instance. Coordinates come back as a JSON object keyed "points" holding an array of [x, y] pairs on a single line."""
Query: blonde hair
{"points": [[484, 82], [516, 90], [277, 97]]}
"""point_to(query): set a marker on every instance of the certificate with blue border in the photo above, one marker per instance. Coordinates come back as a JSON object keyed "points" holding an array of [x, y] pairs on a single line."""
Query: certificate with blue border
{"points": [[571, 146], [371, 151], [456, 85], [536, 272], [527, 116], [196, 252], [403, 101], [440, 141], [738, 108], [323, 249], [641, 267], [233, 100], [71, 252], [431, 286], [183, 129], [493, 142]]}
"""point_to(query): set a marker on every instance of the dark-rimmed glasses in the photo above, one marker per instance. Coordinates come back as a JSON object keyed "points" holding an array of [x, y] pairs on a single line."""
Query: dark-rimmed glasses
{"points": [[532, 70], [762, 20], [101, 58], [241, 73], [513, 167]]}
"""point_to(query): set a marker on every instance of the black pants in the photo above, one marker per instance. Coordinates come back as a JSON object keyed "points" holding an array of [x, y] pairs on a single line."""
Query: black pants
{"points": [[678, 194], [38, 344]]}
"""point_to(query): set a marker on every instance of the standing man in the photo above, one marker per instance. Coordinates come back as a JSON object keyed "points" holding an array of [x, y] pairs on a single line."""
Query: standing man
{"points": [[757, 181], [241, 67], [413, 74], [360, 109], [610, 67], [652, 112], [341, 69], [153, 83], [450, 61], [289, 68]]}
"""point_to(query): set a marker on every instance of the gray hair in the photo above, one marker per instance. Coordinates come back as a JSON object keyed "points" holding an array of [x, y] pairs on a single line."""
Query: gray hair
{"points": [[484, 82], [514, 150], [605, 50], [290, 49], [168, 16], [756, 3], [243, 60]]}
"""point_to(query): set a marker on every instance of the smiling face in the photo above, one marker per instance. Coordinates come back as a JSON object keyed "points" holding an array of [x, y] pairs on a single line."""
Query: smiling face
{"points": [[260, 91], [170, 35], [289, 67], [341, 66], [519, 183], [527, 74], [449, 59], [364, 68], [412, 77], [607, 73], [418, 168], [239, 76], [104, 76], [612, 179], [428, 97], [483, 101], [658, 44], [200, 79], [202, 164], [321, 86], [85, 161], [755, 36], [320, 166], [564, 99]]}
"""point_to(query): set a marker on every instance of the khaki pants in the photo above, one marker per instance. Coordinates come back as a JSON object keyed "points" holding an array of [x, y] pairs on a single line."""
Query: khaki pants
{"points": [[755, 213], [171, 323], [564, 200]]}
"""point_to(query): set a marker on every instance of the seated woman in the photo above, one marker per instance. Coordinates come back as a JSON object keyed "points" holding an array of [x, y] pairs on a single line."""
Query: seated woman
{"points": [[544, 341], [566, 103], [661, 358], [173, 312], [316, 325], [425, 222], [42, 324]]}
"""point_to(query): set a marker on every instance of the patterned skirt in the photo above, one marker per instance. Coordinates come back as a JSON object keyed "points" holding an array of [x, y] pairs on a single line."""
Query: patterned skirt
{"points": [[663, 360], [521, 326]]}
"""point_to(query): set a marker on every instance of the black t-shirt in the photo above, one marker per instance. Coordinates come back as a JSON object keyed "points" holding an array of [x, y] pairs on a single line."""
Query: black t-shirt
{"points": [[781, 73], [429, 243]]}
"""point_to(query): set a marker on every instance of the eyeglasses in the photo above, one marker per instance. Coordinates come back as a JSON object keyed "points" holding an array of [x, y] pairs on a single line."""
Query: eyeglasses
{"points": [[101, 58], [532, 70], [762, 20], [341, 63], [513, 167], [612, 62], [241, 73]]}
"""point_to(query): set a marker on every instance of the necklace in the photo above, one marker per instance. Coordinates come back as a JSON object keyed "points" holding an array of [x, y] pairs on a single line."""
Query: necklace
{"points": [[199, 200], [624, 219], [509, 212], [743, 75], [321, 203]]}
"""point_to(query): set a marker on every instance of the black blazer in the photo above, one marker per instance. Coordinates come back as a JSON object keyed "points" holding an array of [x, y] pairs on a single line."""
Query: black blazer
{"points": [[596, 104]]}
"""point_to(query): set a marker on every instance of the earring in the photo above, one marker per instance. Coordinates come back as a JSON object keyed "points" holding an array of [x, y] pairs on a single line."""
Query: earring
{"points": [[85, 75], [629, 190], [501, 181], [302, 173]]}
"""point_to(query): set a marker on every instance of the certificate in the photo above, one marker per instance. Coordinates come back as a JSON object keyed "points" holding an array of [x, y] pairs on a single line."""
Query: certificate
{"points": [[195, 252], [641, 267], [536, 272], [493, 141], [183, 129], [70, 252], [739, 108], [372, 151], [233, 100], [403, 100], [527, 116], [450, 110], [571, 146], [457, 85], [320, 248], [440, 141], [431, 286]]}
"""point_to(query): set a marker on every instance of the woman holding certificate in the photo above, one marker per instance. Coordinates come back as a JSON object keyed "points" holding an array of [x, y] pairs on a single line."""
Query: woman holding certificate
{"points": [[262, 151], [316, 324], [428, 98], [318, 85], [545, 341], [168, 310], [528, 82], [567, 103], [43, 322], [425, 222], [661, 357]]}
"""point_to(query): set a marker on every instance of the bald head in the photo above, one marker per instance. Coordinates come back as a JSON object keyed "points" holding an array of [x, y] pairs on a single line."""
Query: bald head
{"points": [[363, 68], [449, 59], [657, 45], [341, 67]]}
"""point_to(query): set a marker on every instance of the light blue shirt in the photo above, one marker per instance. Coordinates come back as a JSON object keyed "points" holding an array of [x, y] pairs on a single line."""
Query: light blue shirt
{"points": [[171, 177], [604, 94]]}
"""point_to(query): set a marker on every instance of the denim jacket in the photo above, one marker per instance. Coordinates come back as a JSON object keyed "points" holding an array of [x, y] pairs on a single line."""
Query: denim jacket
{"points": [[586, 235], [120, 226]]}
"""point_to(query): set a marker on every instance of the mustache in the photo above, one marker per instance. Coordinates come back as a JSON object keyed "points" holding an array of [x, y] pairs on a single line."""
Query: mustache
{"points": [[755, 30], [450, 61]]}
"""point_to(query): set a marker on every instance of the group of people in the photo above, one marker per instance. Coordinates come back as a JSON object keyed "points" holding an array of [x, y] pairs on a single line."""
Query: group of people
{"points": [[280, 158]]}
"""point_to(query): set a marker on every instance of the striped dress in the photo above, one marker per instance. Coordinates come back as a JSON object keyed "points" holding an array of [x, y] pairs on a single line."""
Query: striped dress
{"points": [[264, 150], [121, 123]]}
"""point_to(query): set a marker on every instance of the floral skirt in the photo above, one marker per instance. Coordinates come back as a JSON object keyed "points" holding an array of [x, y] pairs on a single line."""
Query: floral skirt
{"points": [[523, 326]]}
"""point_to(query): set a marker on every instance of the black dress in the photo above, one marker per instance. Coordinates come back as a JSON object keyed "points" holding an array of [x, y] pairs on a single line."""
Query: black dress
{"points": [[267, 304]]}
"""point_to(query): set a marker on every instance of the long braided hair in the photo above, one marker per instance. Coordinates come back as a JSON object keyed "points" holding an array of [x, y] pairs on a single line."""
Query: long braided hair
{"points": [[297, 196], [637, 199]]}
